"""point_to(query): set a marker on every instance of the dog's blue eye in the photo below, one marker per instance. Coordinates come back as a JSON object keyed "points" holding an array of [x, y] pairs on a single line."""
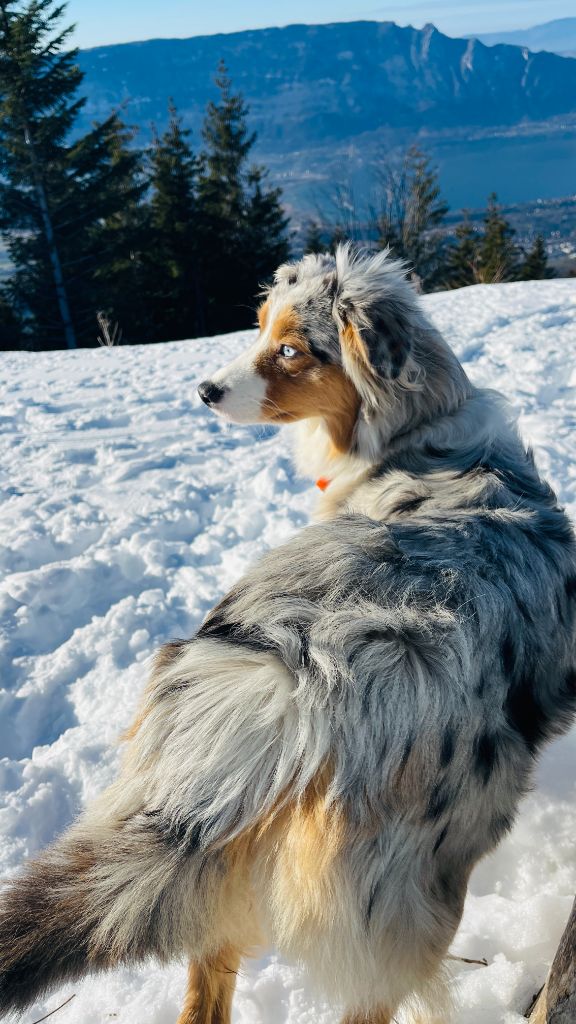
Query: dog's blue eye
{"points": [[287, 352]]}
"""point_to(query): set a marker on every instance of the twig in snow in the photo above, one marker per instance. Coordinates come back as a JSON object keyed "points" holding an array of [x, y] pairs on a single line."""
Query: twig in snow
{"points": [[464, 960]]}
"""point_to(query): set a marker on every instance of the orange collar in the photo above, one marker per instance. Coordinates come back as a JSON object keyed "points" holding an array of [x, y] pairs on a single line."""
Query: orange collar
{"points": [[323, 483]]}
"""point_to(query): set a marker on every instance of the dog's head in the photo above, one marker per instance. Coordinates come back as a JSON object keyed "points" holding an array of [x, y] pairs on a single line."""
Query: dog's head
{"points": [[335, 334]]}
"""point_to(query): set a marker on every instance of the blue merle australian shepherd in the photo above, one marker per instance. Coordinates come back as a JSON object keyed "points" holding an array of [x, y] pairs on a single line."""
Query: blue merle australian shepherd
{"points": [[353, 726]]}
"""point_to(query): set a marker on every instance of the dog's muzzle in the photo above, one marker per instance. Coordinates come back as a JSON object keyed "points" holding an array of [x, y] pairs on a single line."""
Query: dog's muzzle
{"points": [[209, 392]]}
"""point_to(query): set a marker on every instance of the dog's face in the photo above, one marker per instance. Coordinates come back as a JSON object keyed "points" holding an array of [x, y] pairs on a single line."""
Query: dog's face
{"points": [[323, 347]]}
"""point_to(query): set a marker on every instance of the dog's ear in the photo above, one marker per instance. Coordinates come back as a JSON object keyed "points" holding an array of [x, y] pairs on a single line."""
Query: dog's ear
{"points": [[373, 308], [378, 339]]}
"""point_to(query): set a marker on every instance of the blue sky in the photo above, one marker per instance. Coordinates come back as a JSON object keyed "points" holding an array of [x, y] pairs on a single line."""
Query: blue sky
{"points": [[115, 21]]}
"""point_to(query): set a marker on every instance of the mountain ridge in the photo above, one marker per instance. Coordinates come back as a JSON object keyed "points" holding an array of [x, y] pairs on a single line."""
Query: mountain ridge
{"points": [[301, 79], [321, 96]]}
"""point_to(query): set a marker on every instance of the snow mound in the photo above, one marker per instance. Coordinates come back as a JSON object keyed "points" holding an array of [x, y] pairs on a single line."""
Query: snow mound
{"points": [[126, 511]]}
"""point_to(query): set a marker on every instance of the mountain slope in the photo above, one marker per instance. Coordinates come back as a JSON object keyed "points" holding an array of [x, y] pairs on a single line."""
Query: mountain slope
{"points": [[558, 36], [333, 82]]}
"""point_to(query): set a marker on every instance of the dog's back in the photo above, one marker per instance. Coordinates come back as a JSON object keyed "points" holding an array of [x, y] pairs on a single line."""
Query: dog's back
{"points": [[429, 631]]}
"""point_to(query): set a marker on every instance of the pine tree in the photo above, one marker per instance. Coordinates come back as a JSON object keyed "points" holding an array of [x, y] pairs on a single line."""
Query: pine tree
{"points": [[411, 209], [338, 236], [265, 229], [221, 208], [35, 83], [58, 199], [461, 260], [10, 326], [241, 225], [174, 287], [108, 231], [314, 238], [497, 253], [535, 263], [120, 243]]}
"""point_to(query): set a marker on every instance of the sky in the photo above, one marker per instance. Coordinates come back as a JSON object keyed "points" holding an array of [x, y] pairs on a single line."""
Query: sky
{"points": [[119, 21]]}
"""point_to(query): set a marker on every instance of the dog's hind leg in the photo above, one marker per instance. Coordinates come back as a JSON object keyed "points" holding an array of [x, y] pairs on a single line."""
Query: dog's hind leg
{"points": [[210, 989]]}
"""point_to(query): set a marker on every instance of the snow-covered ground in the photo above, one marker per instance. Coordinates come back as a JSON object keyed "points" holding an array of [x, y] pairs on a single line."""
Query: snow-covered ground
{"points": [[126, 511]]}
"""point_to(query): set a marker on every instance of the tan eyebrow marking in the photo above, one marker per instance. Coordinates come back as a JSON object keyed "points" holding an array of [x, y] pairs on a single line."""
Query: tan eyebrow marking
{"points": [[288, 323], [263, 311]]}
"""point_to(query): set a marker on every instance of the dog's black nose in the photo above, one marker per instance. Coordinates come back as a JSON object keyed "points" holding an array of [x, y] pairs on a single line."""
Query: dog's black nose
{"points": [[209, 392]]}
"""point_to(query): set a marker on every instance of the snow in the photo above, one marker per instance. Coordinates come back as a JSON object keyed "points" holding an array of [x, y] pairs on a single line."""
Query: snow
{"points": [[126, 511]]}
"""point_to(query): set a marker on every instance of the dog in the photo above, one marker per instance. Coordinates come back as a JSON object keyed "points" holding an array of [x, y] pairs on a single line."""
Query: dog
{"points": [[353, 726]]}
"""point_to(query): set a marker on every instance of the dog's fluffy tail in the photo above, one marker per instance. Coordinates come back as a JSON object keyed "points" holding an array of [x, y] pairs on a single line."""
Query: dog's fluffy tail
{"points": [[100, 896], [216, 744]]}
